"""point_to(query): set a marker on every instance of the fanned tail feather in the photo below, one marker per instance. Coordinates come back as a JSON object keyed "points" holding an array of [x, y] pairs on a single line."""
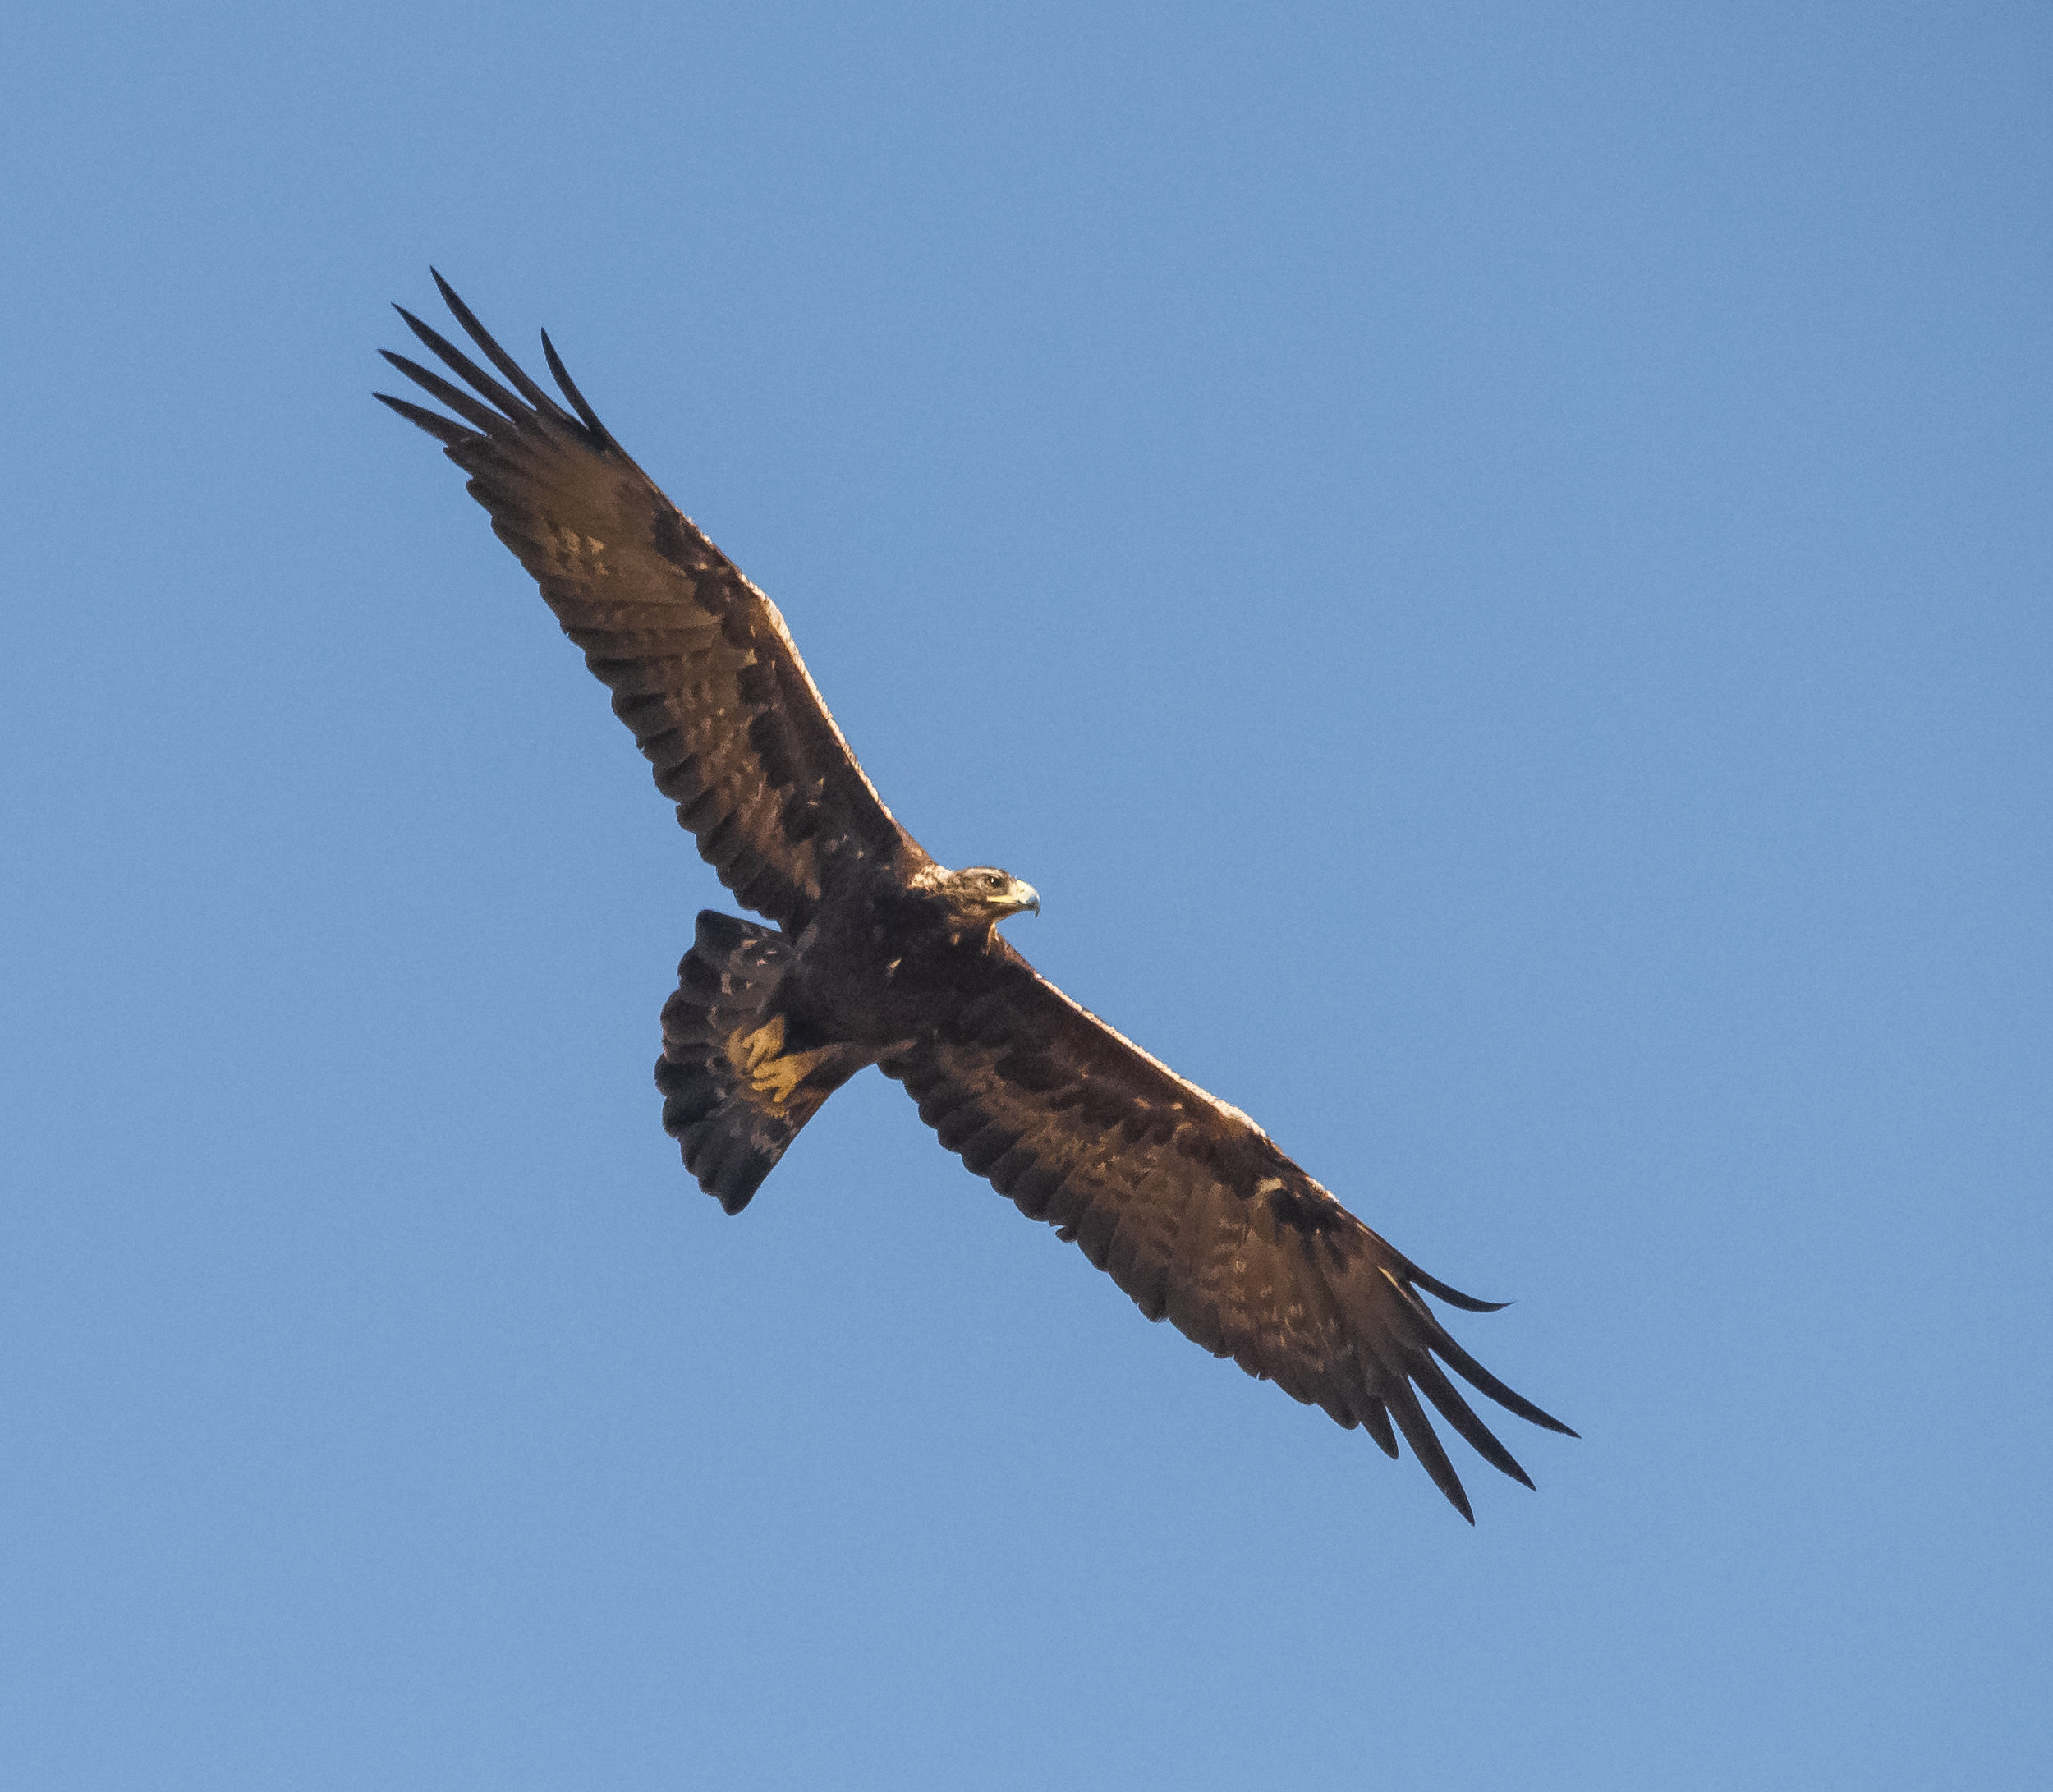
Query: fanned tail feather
{"points": [[734, 1097]]}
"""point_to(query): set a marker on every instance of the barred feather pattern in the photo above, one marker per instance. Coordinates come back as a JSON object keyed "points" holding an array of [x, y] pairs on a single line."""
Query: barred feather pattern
{"points": [[1193, 1210], [702, 667]]}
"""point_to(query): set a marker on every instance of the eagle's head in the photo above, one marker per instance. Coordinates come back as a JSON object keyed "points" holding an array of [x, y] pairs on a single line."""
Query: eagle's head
{"points": [[983, 895]]}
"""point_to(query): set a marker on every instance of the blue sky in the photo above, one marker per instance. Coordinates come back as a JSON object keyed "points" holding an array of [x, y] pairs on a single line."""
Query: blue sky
{"points": [[1492, 566]]}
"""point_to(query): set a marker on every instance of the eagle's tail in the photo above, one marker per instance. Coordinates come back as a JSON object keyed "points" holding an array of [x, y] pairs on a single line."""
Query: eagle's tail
{"points": [[734, 1095]]}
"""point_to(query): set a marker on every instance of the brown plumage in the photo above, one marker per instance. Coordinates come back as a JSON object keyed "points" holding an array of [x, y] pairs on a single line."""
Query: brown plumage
{"points": [[879, 955]]}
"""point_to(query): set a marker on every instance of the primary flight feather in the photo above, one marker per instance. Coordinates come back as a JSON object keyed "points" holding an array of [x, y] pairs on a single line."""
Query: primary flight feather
{"points": [[879, 956]]}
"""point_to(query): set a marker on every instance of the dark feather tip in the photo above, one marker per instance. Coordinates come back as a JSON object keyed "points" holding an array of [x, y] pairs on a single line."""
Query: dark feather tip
{"points": [[444, 430], [570, 391], [453, 358], [493, 353], [1452, 1296]]}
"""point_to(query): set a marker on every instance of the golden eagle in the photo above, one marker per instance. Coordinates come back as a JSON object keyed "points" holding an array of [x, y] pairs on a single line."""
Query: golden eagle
{"points": [[878, 955]]}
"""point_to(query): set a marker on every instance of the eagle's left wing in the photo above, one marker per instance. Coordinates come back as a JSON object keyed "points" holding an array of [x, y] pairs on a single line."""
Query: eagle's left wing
{"points": [[699, 663], [1190, 1209]]}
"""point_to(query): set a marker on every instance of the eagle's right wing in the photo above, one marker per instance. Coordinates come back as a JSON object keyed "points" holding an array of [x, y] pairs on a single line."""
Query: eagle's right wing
{"points": [[1190, 1209], [699, 663]]}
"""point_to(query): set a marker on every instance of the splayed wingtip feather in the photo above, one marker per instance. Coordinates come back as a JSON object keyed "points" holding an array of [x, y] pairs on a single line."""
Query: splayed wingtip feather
{"points": [[505, 363], [445, 430], [451, 356], [570, 391]]}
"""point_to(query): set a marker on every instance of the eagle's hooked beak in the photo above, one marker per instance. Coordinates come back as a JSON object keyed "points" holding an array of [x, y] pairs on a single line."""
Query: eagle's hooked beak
{"points": [[1022, 897]]}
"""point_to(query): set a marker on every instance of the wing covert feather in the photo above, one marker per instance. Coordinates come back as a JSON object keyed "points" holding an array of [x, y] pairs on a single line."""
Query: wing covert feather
{"points": [[1193, 1210], [701, 668]]}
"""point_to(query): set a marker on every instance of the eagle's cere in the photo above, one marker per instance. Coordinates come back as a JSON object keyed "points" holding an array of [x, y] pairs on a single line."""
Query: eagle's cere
{"points": [[876, 955]]}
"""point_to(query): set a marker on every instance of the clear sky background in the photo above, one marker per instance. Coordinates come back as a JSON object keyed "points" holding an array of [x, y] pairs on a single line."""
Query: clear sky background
{"points": [[1492, 565]]}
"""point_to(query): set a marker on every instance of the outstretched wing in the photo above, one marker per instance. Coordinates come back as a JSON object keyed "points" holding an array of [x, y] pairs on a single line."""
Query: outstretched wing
{"points": [[699, 663], [1192, 1210]]}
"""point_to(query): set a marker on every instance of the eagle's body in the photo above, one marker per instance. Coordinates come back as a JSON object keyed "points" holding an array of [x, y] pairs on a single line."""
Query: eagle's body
{"points": [[876, 954]]}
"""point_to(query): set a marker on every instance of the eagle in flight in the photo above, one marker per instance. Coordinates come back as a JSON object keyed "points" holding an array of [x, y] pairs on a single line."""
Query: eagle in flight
{"points": [[877, 955]]}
